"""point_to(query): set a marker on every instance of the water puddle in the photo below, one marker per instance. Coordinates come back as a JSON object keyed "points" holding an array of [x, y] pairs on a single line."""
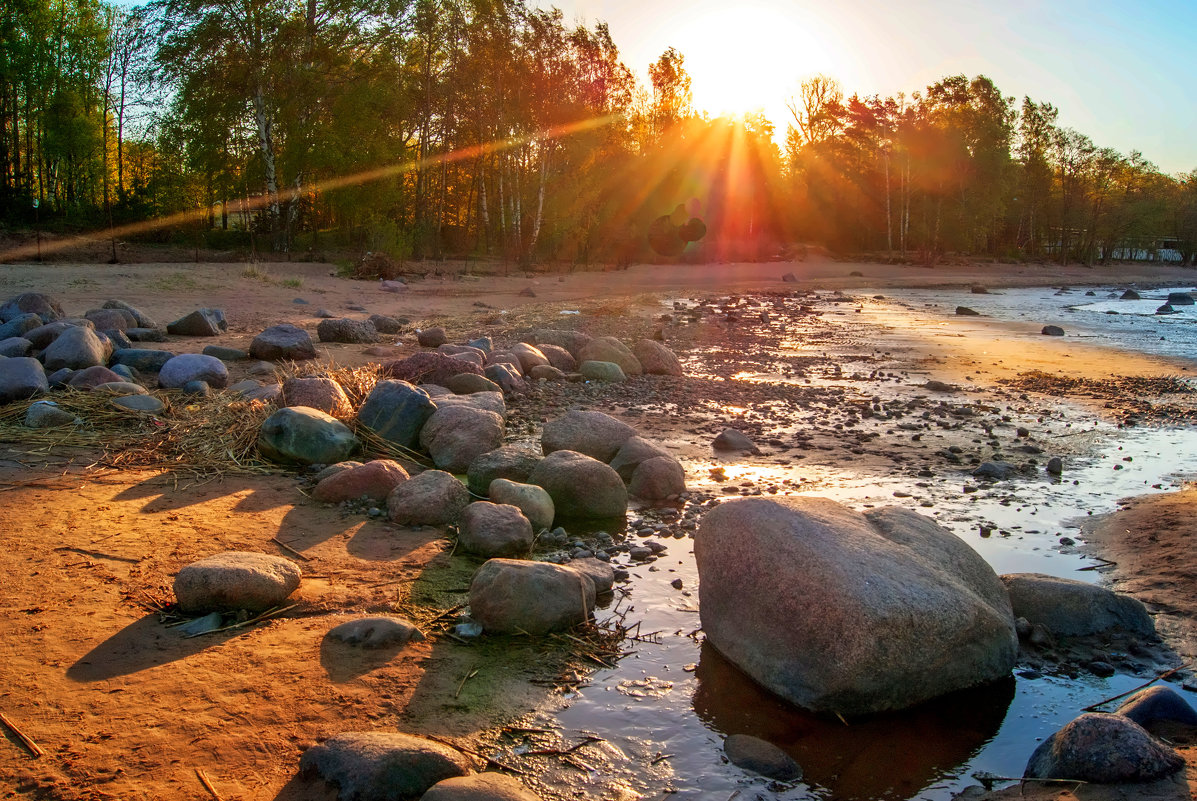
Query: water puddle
{"points": [[664, 710]]}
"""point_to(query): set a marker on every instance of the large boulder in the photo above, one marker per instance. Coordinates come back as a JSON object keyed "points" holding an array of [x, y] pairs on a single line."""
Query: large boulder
{"points": [[92, 377], [604, 372], [1158, 704], [110, 319], [316, 392], [43, 335], [595, 434], [396, 411], [21, 377], [47, 414], [1073, 608], [455, 436], [15, 347], [529, 356], [468, 384], [432, 498], [840, 612], [427, 367], [480, 787], [20, 325], [285, 341], [431, 337], [1103, 749], [373, 480], [188, 367], [383, 765], [43, 306], [307, 436], [77, 347], [657, 479], [509, 596], [560, 358], [656, 359], [140, 319], [599, 572], [535, 502], [506, 376], [346, 330], [610, 349], [581, 487], [632, 453], [236, 580], [494, 529], [572, 341], [490, 401], [143, 360], [513, 462], [199, 323]]}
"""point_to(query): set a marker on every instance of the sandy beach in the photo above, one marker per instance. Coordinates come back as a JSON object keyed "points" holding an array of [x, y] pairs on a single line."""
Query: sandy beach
{"points": [[125, 709]]}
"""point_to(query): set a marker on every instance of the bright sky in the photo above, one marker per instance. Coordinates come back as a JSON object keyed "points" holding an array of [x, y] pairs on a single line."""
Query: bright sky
{"points": [[1124, 73]]}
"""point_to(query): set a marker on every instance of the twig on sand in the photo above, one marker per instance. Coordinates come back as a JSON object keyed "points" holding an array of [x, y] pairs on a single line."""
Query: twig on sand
{"points": [[466, 678], [289, 549], [1164, 675], [488, 760], [269, 613], [203, 777], [25, 739]]}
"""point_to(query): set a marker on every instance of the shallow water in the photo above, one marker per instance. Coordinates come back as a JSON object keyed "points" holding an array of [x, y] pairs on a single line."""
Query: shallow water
{"points": [[664, 710]]}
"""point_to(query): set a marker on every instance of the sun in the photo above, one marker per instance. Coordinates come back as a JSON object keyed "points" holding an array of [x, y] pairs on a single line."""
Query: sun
{"points": [[749, 56]]}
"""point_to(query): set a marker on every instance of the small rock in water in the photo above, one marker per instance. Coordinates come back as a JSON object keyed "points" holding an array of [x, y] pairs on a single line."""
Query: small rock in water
{"points": [[1103, 749], [1055, 466], [1158, 704], [732, 440], [965, 311], [759, 756]]}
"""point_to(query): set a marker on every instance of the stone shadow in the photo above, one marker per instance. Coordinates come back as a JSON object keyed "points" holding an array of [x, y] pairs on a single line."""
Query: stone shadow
{"points": [[143, 644]]}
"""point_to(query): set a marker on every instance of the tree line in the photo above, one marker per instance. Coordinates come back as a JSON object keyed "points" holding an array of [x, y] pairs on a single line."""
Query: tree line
{"points": [[488, 128]]}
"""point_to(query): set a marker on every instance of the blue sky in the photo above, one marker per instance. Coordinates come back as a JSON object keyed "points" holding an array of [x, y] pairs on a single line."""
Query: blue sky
{"points": [[1123, 73]]}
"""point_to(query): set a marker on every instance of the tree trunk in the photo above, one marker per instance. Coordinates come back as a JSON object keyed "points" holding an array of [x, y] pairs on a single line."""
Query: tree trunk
{"points": [[266, 146], [535, 233]]}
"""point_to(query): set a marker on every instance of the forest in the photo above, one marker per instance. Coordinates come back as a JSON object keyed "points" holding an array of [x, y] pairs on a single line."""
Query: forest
{"points": [[489, 129]]}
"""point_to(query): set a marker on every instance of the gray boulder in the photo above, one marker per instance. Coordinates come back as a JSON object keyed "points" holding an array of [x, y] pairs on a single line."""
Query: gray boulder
{"points": [[468, 383], [483, 344], [760, 756], [110, 319], [1158, 704], [427, 367], [509, 596], [307, 436], [44, 306], [1103, 749], [146, 334], [375, 632], [385, 325], [533, 501], [506, 376], [143, 360], [529, 356], [488, 401], [236, 580], [431, 337], [21, 377], [14, 347], [889, 587], [606, 372], [480, 787], [279, 342], [595, 434], [610, 349], [513, 462], [19, 326], [1052, 331], [373, 480], [225, 353], [120, 388], [396, 411], [187, 367], [140, 319], [456, 435], [600, 573], [560, 358], [506, 357], [656, 359], [657, 479], [347, 331], [581, 487], [43, 335], [47, 414], [494, 529], [77, 347], [431, 498], [1073, 608], [317, 392], [199, 323], [995, 471], [632, 453], [729, 439], [572, 341], [546, 372], [147, 404], [92, 377], [383, 765]]}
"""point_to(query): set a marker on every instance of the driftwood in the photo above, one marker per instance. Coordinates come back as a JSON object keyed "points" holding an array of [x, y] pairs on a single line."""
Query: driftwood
{"points": [[25, 739], [203, 777]]}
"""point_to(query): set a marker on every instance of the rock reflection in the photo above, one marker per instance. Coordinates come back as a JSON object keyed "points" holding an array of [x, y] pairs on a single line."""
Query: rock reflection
{"points": [[885, 757]]}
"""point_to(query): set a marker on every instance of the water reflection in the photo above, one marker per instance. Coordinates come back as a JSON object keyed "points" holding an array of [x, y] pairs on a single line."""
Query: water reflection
{"points": [[889, 756]]}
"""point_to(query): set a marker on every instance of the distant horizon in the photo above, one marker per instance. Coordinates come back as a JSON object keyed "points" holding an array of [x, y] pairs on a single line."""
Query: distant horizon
{"points": [[1097, 62]]}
